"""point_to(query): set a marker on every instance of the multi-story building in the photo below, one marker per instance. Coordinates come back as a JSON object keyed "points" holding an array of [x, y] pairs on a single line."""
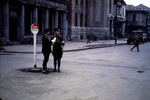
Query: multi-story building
{"points": [[17, 16], [120, 18], [138, 18], [96, 16]]}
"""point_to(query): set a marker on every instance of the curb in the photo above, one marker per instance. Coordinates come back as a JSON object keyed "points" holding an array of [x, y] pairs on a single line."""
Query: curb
{"points": [[99, 46], [94, 47]]}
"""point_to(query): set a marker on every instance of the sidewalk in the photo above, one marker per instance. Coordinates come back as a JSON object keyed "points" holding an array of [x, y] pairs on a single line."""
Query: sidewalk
{"points": [[81, 45], [69, 46]]}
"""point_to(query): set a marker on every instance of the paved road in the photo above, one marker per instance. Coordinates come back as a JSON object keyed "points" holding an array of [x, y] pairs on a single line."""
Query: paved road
{"points": [[113, 73]]}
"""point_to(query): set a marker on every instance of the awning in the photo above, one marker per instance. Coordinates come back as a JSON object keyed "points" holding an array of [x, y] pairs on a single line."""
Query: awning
{"points": [[119, 20]]}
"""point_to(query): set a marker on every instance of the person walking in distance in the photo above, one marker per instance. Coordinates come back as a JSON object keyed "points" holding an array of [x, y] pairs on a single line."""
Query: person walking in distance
{"points": [[136, 42], [88, 38], [46, 50], [58, 42]]}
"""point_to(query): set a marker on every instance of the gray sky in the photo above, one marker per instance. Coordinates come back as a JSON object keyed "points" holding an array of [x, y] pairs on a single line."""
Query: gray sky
{"points": [[137, 2]]}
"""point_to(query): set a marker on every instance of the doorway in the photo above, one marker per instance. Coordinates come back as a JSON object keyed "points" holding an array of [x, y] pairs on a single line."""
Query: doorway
{"points": [[13, 29], [110, 30]]}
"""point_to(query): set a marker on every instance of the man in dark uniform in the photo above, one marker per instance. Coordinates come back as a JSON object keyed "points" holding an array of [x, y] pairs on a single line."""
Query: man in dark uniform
{"points": [[46, 50], [58, 42]]}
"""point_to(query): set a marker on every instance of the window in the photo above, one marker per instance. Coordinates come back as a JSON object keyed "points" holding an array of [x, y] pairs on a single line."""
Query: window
{"points": [[76, 1], [59, 20], [27, 18], [86, 2], [81, 1], [110, 6], [76, 19], [86, 6], [98, 11], [134, 17], [123, 12], [85, 20], [40, 19], [118, 10], [81, 15], [50, 21]]}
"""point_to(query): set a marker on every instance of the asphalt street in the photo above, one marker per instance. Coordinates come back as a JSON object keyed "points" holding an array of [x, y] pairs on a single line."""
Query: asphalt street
{"points": [[112, 73]]}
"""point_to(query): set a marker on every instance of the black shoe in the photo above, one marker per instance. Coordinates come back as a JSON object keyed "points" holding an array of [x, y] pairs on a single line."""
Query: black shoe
{"points": [[138, 50], [131, 49], [54, 70], [59, 71], [45, 72]]}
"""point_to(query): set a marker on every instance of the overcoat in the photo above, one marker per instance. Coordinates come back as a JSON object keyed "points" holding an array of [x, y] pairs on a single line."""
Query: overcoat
{"points": [[57, 47], [46, 44]]}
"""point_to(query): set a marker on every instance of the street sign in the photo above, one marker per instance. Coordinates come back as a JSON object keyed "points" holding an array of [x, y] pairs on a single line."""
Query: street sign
{"points": [[34, 28]]}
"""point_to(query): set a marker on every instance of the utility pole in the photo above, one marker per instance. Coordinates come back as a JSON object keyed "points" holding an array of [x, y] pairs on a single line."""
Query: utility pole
{"points": [[146, 25], [115, 21]]}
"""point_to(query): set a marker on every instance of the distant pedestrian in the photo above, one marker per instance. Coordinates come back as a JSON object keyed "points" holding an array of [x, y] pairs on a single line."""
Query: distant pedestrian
{"points": [[46, 50], [136, 42], [88, 38], [58, 43]]}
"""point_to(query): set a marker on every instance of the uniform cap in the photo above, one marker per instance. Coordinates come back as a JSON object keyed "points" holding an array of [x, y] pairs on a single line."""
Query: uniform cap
{"points": [[57, 29], [46, 30]]}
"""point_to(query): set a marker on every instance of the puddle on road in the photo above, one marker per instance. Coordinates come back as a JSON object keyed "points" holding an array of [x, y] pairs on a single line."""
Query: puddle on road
{"points": [[140, 71]]}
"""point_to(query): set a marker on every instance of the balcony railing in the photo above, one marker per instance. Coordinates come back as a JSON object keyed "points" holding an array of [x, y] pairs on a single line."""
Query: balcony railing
{"points": [[137, 23], [134, 22]]}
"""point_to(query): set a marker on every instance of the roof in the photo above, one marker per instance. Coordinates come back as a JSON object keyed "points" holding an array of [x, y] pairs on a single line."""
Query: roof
{"points": [[143, 7], [124, 2], [140, 7]]}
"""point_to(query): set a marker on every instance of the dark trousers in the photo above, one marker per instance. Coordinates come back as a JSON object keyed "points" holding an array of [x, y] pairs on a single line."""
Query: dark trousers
{"points": [[46, 58], [55, 63], [88, 41], [136, 45]]}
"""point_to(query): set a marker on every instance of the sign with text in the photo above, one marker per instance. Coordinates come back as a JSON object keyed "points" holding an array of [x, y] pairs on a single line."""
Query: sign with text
{"points": [[34, 28]]}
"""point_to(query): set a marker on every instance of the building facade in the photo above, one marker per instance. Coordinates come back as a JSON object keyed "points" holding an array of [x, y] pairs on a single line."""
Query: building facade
{"points": [[138, 18], [120, 18], [94, 16], [1, 17], [18, 16]]}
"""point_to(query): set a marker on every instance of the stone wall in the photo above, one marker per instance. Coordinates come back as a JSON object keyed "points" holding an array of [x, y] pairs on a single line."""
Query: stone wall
{"points": [[77, 33]]}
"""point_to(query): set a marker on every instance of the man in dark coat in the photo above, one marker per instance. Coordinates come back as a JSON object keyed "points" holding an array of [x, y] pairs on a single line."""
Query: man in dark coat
{"points": [[58, 42], [136, 42], [88, 38], [46, 50]]}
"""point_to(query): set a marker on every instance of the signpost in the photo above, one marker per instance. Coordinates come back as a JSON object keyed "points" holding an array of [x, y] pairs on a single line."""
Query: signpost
{"points": [[35, 30]]}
